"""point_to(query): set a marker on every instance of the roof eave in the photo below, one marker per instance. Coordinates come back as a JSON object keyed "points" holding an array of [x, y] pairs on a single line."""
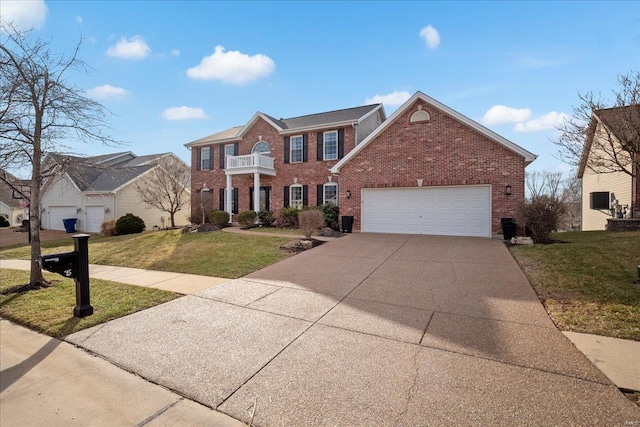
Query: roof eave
{"points": [[199, 143], [591, 130], [318, 127]]}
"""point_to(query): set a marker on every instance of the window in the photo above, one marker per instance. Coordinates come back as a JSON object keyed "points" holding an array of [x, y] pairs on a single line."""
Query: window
{"points": [[419, 116], [331, 145], [296, 149], [330, 193], [205, 158], [229, 151], [295, 197], [262, 147], [599, 200]]}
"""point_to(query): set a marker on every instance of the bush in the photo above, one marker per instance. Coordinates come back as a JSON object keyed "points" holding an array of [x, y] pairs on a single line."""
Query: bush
{"points": [[288, 217], [247, 218], [541, 215], [129, 224], [310, 220], [108, 228], [266, 218], [219, 218], [4, 222], [330, 214], [196, 217]]}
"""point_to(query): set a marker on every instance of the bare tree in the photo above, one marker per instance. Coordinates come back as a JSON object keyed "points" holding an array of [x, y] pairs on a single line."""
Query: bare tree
{"points": [[39, 111], [572, 198], [616, 148], [544, 182], [165, 186]]}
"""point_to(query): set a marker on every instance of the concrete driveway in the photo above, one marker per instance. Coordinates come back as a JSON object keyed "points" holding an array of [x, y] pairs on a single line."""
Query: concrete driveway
{"points": [[370, 329]]}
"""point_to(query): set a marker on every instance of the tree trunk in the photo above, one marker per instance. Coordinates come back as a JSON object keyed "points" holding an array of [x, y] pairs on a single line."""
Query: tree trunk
{"points": [[35, 277], [171, 215]]}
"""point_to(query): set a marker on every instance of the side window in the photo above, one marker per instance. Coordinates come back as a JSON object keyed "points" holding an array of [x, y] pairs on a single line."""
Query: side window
{"points": [[205, 158], [330, 193], [295, 197], [330, 145], [296, 149], [229, 151]]}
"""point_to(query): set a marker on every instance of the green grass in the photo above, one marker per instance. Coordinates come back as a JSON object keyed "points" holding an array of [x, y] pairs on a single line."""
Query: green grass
{"points": [[215, 254], [587, 281], [278, 230], [50, 310]]}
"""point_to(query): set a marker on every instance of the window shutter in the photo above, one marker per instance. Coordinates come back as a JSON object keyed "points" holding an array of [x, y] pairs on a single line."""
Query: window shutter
{"points": [[286, 196], [340, 143], [210, 158], [305, 195], [236, 149], [221, 156], [305, 147], [250, 198], [287, 148], [320, 153], [221, 199], [319, 195], [235, 201], [198, 158]]}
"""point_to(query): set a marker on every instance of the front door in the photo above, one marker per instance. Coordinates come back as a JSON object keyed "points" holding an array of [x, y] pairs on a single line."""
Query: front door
{"points": [[265, 196]]}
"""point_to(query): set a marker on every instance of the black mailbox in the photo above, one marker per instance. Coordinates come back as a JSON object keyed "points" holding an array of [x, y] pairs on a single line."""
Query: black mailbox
{"points": [[65, 264]]}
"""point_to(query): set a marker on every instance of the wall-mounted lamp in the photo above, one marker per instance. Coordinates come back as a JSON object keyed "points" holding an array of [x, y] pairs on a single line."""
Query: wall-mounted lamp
{"points": [[348, 192], [507, 190], [78, 210], [107, 210], [44, 210]]}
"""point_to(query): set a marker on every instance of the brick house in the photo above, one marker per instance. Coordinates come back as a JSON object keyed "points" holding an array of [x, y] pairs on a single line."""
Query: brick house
{"points": [[427, 169]]}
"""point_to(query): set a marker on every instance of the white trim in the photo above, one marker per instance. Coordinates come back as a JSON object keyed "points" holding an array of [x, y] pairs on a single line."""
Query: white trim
{"points": [[301, 148], [324, 145], [254, 119], [528, 156], [260, 152]]}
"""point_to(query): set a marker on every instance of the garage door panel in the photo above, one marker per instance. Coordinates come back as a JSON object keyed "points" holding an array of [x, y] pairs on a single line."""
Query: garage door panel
{"points": [[453, 211], [58, 213], [95, 218]]}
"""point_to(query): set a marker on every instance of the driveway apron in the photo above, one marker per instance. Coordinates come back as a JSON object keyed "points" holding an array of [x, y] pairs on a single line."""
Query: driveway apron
{"points": [[370, 329]]}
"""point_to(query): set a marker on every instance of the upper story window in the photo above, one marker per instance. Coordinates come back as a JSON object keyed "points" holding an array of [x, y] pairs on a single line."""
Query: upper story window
{"points": [[229, 151], [262, 147], [419, 116], [205, 159], [296, 149], [295, 196], [330, 142]]}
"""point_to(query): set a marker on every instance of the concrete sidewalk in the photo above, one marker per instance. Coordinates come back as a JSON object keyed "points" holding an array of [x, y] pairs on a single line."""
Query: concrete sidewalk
{"points": [[48, 382]]}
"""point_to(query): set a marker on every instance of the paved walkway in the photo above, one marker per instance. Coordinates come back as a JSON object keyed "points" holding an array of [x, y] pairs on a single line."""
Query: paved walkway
{"points": [[369, 329]]}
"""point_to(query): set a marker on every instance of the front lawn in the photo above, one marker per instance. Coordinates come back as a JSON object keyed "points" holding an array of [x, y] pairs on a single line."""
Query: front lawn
{"points": [[587, 281], [215, 254], [50, 310]]}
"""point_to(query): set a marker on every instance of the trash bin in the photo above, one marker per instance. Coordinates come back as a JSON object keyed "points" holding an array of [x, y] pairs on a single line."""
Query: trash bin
{"points": [[508, 228], [70, 224], [347, 224]]}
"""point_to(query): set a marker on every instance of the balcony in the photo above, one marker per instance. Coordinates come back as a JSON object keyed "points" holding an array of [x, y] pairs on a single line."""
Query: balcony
{"points": [[250, 163]]}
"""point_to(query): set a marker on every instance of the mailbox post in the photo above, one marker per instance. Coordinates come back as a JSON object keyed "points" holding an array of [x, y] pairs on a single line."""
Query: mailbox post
{"points": [[74, 265]]}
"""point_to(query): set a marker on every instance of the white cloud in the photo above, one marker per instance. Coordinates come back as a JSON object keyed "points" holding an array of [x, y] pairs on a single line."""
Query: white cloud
{"points": [[500, 115], [431, 36], [184, 113], [24, 15], [107, 92], [545, 122], [134, 48], [392, 99], [175, 52], [232, 67], [79, 19]]}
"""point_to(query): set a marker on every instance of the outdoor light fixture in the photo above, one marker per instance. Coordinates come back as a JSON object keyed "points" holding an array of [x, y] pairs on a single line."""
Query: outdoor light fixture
{"points": [[507, 190], [78, 210], [348, 194], [107, 210]]}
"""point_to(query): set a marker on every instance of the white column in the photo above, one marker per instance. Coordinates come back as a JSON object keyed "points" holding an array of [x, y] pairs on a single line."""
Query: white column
{"points": [[229, 198], [256, 192]]}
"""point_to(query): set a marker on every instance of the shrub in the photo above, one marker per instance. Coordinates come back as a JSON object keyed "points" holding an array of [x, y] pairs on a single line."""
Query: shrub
{"points": [[108, 228], [266, 218], [129, 224], [288, 217], [196, 216], [219, 218], [541, 214], [4, 222], [247, 218], [310, 220], [330, 214]]}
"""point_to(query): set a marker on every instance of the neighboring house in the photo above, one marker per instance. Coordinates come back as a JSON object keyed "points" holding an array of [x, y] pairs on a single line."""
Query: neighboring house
{"points": [[102, 188], [427, 169], [607, 191], [13, 205]]}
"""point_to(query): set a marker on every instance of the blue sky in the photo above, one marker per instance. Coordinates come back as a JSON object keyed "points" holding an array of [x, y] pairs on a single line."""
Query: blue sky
{"points": [[173, 72]]}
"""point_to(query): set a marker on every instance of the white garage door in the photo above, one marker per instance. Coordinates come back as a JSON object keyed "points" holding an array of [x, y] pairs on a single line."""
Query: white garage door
{"points": [[95, 218], [449, 211], [58, 213]]}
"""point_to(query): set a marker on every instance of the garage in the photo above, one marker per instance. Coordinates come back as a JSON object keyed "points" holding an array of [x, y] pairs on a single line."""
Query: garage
{"points": [[447, 211], [58, 213], [95, 218]]}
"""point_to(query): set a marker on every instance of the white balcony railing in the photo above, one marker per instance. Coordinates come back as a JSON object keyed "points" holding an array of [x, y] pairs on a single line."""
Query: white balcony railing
{"points": [[254, 160]]}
